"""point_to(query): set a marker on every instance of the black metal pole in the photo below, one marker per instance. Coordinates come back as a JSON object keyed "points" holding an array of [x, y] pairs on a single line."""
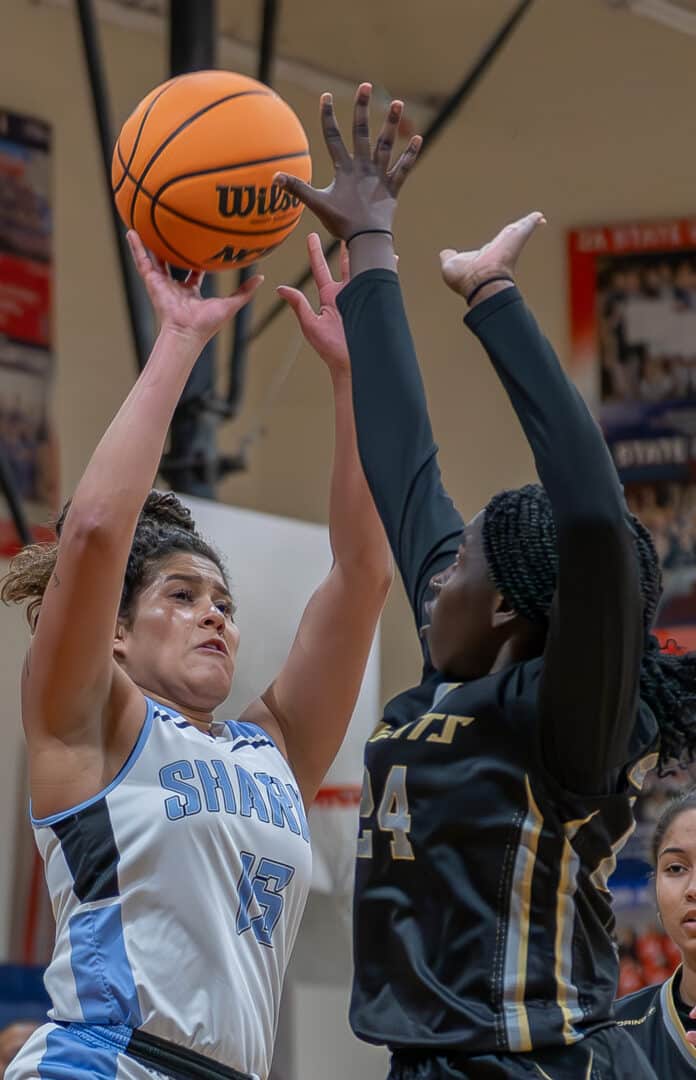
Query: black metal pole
{"points": [[14, 503], [242, 324], [138, 309], [192, 34], [444, 114], [191, 463]]}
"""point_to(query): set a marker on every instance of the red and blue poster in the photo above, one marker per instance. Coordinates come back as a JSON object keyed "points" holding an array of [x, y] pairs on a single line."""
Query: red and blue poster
{"points": [[633, 332], [27, 436]]}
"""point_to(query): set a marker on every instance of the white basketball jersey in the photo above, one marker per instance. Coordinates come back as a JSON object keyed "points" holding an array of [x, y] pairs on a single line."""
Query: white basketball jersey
{"points": [[178, 891]]}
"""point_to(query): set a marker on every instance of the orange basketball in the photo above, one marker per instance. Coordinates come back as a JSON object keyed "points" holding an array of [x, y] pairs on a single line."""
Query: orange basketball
{"points": [[193, 166]]}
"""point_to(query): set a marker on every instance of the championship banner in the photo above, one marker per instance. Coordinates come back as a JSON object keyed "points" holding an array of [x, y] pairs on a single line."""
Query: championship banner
{"points": [[633, 332], [27, 438], [633, 322]]}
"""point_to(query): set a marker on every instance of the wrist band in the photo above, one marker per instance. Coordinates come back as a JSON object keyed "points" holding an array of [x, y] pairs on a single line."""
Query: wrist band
{"points": [[364, 232], [489, 281]]}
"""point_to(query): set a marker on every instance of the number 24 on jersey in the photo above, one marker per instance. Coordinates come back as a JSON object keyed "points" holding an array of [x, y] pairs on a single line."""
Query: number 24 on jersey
{"points": [[392, 815]]}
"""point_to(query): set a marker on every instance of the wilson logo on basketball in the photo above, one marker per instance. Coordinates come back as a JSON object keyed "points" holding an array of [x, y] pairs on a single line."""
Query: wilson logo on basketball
{"points": [[246, 200], [193, 169], [231, 256]]}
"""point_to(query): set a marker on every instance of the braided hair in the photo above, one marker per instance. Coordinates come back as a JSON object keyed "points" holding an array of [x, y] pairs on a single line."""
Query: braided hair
{"points": [[520, 543], [165, 526]]}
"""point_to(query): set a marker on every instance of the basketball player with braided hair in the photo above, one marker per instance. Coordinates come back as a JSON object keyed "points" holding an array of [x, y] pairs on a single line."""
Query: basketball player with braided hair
{"points": [[176, 846], [498, 792]]}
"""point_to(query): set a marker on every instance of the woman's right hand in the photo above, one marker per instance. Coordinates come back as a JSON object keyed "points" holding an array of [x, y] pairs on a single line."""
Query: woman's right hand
{"points": [[363, 193], [179, 306]]}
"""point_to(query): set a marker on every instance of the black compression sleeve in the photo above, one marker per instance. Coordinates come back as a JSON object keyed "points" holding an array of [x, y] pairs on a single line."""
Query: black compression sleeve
{"points": [[589, 687], [395, 439]]}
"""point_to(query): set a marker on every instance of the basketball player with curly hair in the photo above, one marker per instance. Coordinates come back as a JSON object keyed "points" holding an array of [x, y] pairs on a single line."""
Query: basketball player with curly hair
{"points": [[176, 846]]}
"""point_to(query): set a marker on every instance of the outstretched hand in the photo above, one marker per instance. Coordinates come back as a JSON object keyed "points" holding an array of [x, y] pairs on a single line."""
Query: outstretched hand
{"points": [[322, 330], [463, 271], [179, 306], [362, 195]]}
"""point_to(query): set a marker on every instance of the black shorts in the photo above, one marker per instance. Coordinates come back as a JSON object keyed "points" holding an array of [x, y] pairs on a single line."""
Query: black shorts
{"points": [[609, 1054]]}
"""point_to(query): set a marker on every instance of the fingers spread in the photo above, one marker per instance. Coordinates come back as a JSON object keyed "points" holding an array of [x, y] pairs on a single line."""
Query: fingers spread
{"points": [[140, 256], [387, 136], [361, 122], [317, 261], [510, 240], [298, 302], [304, 192], [249, 287], [408, 159], [527, 224], [194, 279], [332, 136], [159, 264]]}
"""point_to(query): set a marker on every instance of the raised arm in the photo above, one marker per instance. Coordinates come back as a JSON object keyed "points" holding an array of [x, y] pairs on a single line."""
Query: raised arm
{"points": [[80, 712], [394, 434], [310, 703], [589, 687]]}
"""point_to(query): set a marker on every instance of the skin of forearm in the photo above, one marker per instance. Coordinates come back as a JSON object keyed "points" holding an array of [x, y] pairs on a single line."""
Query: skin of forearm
{"points": [[371, 251], [356, 532]]}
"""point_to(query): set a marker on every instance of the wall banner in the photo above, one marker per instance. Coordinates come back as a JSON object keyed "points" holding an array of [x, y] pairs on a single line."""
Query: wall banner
{"points": [[27, 436]]}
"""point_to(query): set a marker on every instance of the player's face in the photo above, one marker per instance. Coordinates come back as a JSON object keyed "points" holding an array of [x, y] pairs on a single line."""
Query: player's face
{"points": [[462, 635], [182, 642], [675, 880]]}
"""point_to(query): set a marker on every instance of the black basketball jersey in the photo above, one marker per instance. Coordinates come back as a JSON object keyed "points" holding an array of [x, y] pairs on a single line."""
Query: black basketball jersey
{"points": [[483, 919], [482, 915], [658, 1020]]}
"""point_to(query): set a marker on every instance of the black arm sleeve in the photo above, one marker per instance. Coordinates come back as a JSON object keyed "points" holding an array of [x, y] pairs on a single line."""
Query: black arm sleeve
{"points": [[394, 434], [589, 686]]}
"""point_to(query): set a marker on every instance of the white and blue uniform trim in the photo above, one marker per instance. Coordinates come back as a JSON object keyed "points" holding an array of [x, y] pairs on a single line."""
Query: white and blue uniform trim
{"points": [[177, 891]]}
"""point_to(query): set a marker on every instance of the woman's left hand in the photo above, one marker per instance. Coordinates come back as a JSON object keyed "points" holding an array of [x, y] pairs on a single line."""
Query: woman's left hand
{"points": [[323, 331], [363, 193], [179, 306], [464, 271]]}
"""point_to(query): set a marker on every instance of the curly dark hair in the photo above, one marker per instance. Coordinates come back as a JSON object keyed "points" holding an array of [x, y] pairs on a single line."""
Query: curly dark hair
{"points": [[520, 543], [165, 526]]}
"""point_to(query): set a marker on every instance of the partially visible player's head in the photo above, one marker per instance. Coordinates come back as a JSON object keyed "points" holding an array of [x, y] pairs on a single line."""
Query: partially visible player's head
{"points": [[471, 618], [674, 858], [499, 593], [12, 1039], [175, 634]]}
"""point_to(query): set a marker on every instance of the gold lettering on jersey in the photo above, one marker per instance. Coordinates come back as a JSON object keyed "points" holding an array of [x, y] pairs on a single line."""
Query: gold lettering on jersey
{"points": [[449, 728], [440, 728], [382, 731], [420, 725]]}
